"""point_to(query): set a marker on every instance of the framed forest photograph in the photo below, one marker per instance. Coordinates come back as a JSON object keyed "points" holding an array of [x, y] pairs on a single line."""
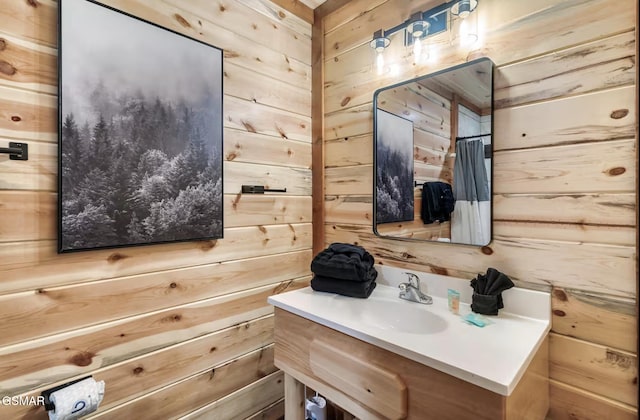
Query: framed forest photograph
{"points": [[394, 201], [140, 132]]}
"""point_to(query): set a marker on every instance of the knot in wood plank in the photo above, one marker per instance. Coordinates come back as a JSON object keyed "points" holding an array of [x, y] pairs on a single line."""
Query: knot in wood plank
{"points": [[182, 21], [7, 68]]}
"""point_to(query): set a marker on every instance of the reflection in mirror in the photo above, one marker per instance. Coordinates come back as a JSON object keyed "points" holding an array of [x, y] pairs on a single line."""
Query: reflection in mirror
{"points": [[432, 156]]}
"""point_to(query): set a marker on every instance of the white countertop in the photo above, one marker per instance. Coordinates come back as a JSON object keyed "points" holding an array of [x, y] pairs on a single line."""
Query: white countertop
{"points": [[493, 357]]}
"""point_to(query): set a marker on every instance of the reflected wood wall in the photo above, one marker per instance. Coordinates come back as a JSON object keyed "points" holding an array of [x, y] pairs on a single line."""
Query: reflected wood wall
{"points": [[565, 173], [431, 115], [171, 328]]}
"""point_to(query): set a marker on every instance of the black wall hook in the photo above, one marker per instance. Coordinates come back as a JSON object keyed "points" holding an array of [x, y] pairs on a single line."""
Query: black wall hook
{"points": [[259, 189], [16, 151]]}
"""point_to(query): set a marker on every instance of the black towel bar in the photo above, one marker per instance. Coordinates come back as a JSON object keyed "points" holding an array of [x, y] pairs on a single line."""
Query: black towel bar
{"points": [[259, 189], [16, 151]]}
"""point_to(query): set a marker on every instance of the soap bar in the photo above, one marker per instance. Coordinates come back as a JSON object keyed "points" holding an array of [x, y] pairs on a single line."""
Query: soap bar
{"points": [[475, 319]]}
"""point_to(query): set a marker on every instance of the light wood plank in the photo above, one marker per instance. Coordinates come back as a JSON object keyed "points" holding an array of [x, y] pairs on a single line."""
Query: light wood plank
{"points": [[350, 122], [424, 172], [39, 173], [530, 399], [134, 378], [350, 209], [198, 390], [429, 153], [267, 209], [261, 30], [297, 181], [416, 230], [36, 22], [604, 115], [294, 398], [582, 266], [375, 386], [273, 412], [243, 146], [567, 169], [40, 362], [35, 265], [349, 180], [255, 87], [282, 13], [360, 29], [27, 215], [600, 319], [352, 10], [601, 64], [71, 307], [256, 118], [569, 403], [435, 142], [565, 232], [349, 151], [587, 208], [298, 8], [243, 402], [28, 65], [602, 370], [28, 115]]}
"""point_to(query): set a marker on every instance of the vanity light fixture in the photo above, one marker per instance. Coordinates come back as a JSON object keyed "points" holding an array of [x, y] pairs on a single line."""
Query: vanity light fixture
{"points": [[422, 25], [463, 8], [468, 26], [379, 43]]}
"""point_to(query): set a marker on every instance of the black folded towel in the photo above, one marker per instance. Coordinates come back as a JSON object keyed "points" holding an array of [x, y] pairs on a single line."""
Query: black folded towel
{"points": [[437, 202], [344, 261], [346, 288], [487, 292]]}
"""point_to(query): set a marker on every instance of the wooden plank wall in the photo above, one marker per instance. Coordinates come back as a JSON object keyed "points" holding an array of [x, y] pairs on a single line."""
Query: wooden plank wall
{"points": [[171, 328], [565, 173]]}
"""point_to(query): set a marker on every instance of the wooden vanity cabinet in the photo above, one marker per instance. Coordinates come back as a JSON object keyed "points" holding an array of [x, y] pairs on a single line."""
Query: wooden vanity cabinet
{"points": [[374, 383]]}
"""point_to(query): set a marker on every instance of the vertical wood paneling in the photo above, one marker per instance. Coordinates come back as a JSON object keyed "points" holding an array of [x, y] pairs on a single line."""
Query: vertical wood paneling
{"points": [[565, 173], [188, 319]]}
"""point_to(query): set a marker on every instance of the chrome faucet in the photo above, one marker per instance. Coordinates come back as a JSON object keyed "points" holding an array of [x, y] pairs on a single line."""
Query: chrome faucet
{"points": [[411, 290]]}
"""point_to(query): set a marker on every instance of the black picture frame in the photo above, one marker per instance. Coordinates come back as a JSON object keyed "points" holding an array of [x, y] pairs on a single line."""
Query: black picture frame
{"points": [[393, 168], [140, 128]]}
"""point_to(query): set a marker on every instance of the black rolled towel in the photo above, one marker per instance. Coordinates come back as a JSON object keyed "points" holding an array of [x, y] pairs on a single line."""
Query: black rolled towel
{"points": [[487, 296], [346, 288], [344, 261]]}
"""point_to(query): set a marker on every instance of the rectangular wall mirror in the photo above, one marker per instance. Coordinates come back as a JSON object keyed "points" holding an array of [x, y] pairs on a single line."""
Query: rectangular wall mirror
{"points": [[432, 156]]}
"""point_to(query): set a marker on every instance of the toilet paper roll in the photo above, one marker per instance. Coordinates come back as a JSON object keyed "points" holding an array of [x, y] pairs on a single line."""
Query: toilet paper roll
{"points": [[316, 408], [76, 400]]}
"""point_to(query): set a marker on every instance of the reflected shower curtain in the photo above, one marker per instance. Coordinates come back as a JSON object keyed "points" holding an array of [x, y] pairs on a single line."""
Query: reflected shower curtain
{"points": [[471, 217]]}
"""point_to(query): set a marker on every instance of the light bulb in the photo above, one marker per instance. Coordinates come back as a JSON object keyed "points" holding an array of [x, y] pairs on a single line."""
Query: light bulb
{"points": [[465, 14], [417, 49], [380, 62], [463, 33]]}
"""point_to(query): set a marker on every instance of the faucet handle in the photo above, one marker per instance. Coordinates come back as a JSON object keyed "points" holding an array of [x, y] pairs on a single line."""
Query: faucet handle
{"points": [[414, 280]]}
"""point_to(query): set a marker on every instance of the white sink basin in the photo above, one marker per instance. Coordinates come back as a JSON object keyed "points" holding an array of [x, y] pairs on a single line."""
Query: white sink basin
{"points": [[390, 314]]}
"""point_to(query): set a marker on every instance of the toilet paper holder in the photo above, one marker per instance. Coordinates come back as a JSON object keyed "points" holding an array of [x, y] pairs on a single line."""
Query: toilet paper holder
{"points": [[48, 405]]}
